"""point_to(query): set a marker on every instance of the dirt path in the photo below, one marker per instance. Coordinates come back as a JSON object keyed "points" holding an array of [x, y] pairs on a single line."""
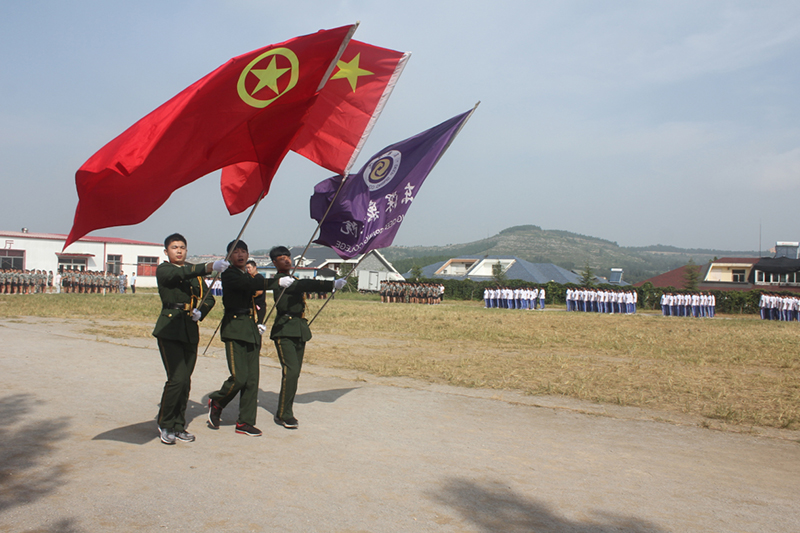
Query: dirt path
{"points": [[79, 452]]}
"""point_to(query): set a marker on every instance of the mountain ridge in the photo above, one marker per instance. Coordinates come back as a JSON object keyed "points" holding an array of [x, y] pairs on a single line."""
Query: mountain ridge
{"points": [[566, 249]]}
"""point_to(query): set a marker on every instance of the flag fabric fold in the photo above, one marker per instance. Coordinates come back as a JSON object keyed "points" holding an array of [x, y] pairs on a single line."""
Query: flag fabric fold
{"points": [[249, 109], [372, 203], [342, 117], [336, 126]]}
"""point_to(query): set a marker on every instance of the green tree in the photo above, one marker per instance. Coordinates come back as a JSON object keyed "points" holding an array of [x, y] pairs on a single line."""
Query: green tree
{"points": [[587, 275], [416, 272], [691, 277], [352, 279], [498, 274]]}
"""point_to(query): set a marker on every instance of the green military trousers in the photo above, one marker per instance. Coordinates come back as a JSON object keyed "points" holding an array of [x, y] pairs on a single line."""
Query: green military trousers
{"points": [[179, 359], [243, 365], [290, 353]]}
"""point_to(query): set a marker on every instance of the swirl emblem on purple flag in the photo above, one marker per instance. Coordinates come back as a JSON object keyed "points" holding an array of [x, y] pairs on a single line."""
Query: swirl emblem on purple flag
{"points": [[382, 169]]}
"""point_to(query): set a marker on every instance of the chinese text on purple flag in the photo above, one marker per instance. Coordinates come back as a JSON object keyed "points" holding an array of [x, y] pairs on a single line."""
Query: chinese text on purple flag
{"points": [[372, 203]]}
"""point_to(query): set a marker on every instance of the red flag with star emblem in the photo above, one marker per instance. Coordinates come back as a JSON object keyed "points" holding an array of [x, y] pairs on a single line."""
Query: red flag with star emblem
{"points": [[337, 125], [249, 109]]}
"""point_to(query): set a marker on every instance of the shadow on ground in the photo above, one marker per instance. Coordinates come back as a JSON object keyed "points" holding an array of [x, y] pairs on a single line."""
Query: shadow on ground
{"points": [[494, 507], [139, 433], [269, 400], [144, 432], [62, 526], [25, 472]]}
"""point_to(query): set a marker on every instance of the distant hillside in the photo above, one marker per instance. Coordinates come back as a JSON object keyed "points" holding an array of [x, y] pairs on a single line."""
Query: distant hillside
{"points": [[563, 248]]}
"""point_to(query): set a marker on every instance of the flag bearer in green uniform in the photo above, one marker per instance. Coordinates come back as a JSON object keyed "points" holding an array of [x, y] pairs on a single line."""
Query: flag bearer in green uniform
{"points": [[181, 288], [242, 337], [290, 330]]}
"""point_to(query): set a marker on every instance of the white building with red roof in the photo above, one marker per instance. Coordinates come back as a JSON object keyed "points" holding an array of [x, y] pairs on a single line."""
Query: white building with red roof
{"points": [[23, 250]]}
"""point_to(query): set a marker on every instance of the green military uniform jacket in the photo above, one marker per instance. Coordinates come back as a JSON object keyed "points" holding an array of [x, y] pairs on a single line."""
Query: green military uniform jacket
{"points": [[238, 290], [290, 319], [181, 285]]}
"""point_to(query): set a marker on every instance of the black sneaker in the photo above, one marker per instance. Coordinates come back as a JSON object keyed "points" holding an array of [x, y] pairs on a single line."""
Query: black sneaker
{"points": [[247, 429], [184, 436], [214, 412], [288, 423], [167, 435]]}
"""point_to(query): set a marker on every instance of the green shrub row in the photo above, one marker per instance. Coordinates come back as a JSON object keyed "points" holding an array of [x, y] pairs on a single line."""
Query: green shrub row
{"points": [[738, 302]]}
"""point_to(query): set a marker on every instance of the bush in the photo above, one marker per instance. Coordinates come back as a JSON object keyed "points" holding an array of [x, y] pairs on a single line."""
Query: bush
{"points": [[649, 297]]}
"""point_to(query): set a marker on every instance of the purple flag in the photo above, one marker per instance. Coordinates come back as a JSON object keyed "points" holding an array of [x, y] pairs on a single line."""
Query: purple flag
{"points": [[369, 209]]}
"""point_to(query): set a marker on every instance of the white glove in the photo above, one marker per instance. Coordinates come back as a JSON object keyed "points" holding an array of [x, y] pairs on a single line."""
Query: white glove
{"points": [[286, 281], [196, 315], [339, 283], [261, 329], [220, 265]]}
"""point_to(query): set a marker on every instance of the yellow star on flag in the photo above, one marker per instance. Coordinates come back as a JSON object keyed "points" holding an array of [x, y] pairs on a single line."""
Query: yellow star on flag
{"points": [[268, 77], [351, 71]]}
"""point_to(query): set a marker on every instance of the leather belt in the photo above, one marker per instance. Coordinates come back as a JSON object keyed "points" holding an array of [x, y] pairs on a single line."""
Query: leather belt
{"points": [[183, 307], [242, 311]]}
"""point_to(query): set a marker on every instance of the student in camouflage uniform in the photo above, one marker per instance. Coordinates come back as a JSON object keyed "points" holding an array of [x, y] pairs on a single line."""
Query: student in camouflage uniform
{"points": [[183, 305], [242, 337]]}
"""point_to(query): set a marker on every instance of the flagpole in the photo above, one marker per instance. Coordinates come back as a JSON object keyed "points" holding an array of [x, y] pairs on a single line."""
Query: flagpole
{"points": [[313, 235], [227, 258], [446, 146], [365, 134], [334, 292], [455, 134]]}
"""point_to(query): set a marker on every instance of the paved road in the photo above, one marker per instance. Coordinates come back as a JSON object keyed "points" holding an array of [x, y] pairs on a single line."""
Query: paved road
{"points": [[79, 452]]}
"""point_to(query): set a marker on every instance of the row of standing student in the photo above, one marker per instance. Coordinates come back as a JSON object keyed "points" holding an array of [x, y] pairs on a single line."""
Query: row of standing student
{"points": [[415, 293], [521, 298], [69, 281], [15, 281], [693, 304], [775, 307], [602, 301]]}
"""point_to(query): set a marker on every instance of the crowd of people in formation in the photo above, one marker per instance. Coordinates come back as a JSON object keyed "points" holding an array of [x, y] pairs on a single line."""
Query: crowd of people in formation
{"points": [[776, 307], [608, 301], [13, 281], [93, 282], [694, 304], [529, 298], [414, 293]]}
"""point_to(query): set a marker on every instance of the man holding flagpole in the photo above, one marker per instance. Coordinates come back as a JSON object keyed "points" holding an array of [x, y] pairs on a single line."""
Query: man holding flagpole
{"points": [[290, 331], [241, 334], [183, 304]]}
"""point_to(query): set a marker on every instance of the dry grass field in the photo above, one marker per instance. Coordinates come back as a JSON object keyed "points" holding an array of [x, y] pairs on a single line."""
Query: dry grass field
{"points": [[738, 370]]}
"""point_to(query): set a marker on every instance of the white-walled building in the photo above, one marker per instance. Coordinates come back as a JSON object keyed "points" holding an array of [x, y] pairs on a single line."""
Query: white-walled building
{"points": [[42, 251], [321, 262]]}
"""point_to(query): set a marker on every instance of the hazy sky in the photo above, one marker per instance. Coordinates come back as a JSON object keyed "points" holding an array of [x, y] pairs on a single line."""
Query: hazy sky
{"points": [[639, 122]]}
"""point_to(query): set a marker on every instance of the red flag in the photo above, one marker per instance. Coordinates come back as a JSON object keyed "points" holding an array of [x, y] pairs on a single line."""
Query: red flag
{"points": [[337, 125], [342, 117], [249, 109]]}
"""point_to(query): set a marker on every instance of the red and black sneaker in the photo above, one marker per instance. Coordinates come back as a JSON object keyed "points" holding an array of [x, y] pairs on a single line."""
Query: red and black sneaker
{"points": [[214, 412], [288, 423], [247, 429]]}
